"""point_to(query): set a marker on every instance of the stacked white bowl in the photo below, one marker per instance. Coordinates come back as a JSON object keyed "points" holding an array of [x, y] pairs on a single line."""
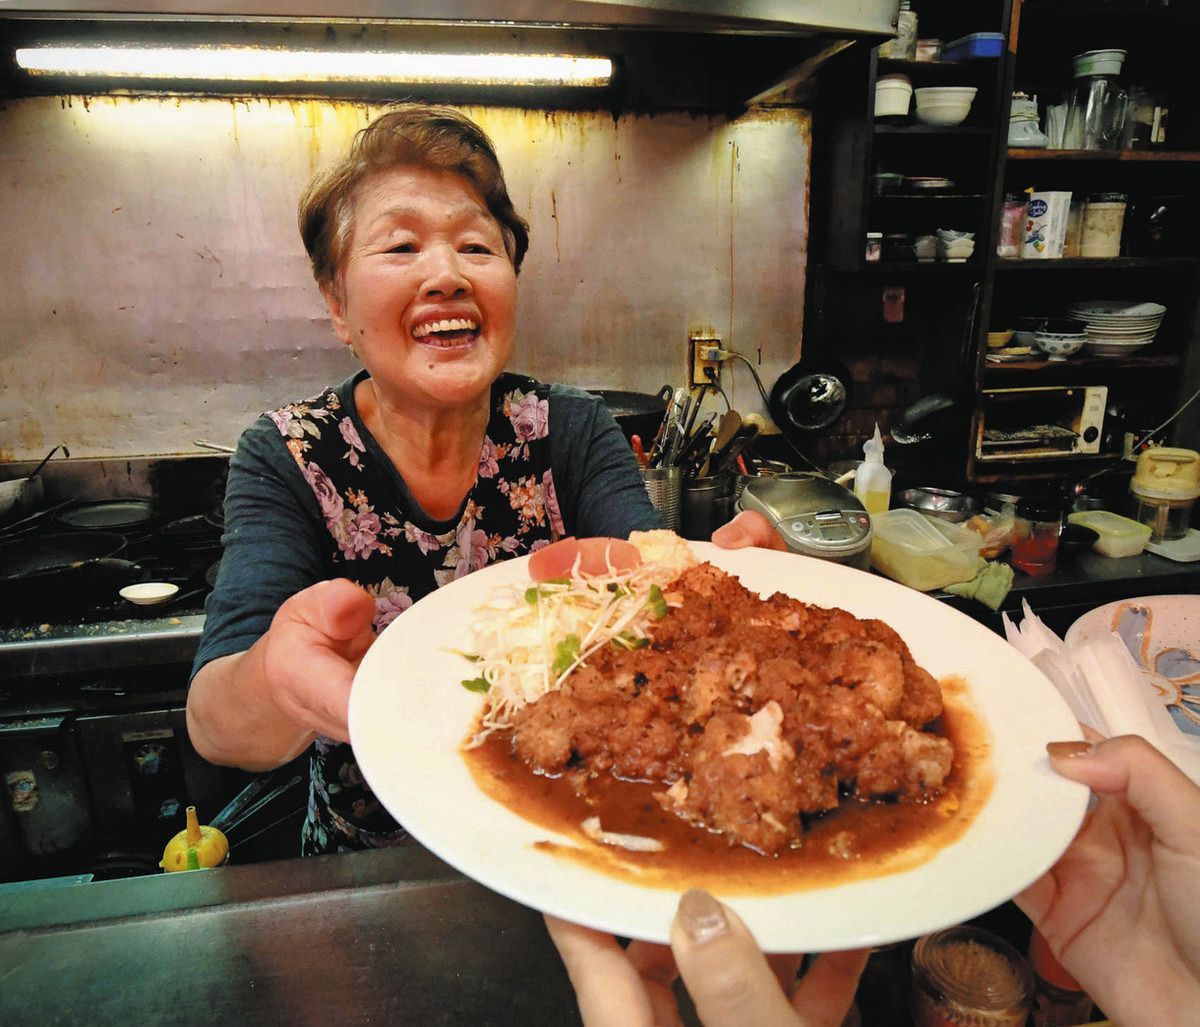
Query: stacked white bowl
{"points": [[1118, 328], [954, 246], [944, 105]]}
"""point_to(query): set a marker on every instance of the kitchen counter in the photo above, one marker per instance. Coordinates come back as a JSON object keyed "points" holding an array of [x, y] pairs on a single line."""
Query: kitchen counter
{"points": [[1082, 582], [387, 936]]}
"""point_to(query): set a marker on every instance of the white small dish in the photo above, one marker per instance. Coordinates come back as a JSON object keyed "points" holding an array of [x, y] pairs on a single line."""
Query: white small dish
{"points": [[149, 593]]}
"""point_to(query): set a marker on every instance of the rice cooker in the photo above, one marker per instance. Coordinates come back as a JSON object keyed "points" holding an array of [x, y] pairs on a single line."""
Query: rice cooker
{"points": [[815, 516]]}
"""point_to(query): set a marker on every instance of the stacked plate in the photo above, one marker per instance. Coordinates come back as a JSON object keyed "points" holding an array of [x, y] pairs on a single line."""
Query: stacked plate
{"points": [[1117, 328]]}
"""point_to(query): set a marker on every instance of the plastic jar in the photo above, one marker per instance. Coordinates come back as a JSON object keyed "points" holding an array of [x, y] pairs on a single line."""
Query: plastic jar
{"points": [[1103, 220], [968, 976], [1165, 487], [1035, 535], [1012, 226]]}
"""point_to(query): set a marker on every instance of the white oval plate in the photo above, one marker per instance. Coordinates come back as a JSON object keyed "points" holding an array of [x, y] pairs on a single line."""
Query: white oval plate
{"points": [[409, 716]]}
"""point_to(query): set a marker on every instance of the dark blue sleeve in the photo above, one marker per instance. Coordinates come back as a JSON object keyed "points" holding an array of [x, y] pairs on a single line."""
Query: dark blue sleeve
{"points": [[596, 477], [272, 544]]}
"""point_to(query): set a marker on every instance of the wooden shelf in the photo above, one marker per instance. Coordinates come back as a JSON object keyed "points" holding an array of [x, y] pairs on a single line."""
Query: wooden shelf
{"points": [[1128, 156], [929, 194], [973, 68], [1079, 363], [919, 129], [1091, 263]]}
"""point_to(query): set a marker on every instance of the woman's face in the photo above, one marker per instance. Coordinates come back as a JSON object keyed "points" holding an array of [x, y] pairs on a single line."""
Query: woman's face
{"points": [[429, 295]]}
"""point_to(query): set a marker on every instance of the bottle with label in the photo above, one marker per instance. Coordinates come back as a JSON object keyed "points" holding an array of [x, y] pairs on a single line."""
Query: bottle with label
{"points": [[872, 480]]}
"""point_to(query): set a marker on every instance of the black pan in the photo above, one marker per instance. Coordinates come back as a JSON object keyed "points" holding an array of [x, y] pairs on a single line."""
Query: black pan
{"points": [[636, 413], [109, 515], [59, 575]]}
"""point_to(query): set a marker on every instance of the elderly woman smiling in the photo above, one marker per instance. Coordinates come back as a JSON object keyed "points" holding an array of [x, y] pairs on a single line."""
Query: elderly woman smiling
{"points": [[431, 462]]}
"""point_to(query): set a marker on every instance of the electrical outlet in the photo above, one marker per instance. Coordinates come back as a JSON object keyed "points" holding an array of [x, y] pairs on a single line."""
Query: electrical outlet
{"points": [[702, 351]]}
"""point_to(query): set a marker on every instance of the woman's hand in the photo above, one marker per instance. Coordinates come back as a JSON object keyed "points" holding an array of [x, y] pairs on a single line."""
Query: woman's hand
{"points": [[311, 652], [730, 981], [749, 528], [1121, 908], [260, 708]]}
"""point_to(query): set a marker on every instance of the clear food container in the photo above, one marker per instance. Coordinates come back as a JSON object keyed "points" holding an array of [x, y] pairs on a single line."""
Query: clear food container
{"points": [[922, 553], [1119, 536]]}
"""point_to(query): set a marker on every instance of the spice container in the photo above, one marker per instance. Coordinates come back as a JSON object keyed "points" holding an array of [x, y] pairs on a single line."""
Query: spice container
{"points": [[969, 977], [874, 247], [1074, 229], [1035, 535], [1103, 219]]}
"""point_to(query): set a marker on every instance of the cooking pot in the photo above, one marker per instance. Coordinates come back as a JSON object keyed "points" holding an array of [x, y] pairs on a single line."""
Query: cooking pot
{"points": [[26, 493]]}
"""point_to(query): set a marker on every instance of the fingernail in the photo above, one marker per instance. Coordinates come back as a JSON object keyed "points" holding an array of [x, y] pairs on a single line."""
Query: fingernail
{"points": [[701, 916], [1069, 750]]}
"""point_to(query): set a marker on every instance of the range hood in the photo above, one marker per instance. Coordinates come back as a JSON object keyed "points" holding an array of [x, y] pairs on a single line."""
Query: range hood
{"points": [[714, 55], [801, 17]]}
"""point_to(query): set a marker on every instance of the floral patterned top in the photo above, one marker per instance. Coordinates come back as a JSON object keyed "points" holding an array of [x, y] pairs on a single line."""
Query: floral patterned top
{"points": [[351, 515]]}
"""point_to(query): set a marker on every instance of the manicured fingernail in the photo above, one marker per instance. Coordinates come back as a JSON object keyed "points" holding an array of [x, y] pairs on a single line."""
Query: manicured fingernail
{"points": [[1068, 750], [701, 916]]}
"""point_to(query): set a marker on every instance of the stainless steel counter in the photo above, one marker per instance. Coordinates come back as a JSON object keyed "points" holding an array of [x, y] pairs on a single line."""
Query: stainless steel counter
{"points": [[392, 936]]}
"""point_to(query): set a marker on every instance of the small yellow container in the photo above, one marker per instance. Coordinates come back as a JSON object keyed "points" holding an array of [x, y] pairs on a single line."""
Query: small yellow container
{"points": [[1119, 536]]}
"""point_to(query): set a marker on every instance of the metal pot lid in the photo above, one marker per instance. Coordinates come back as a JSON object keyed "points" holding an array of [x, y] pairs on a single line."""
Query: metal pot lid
{"points": [[109, 515]]}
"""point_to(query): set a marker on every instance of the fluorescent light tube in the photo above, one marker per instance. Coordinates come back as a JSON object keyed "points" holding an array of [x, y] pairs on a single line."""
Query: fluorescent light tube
{"points": [[249, 64]]}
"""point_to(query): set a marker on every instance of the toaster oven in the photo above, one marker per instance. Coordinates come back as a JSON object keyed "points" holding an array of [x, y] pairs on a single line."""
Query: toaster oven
{"points": [[1040, 423]]}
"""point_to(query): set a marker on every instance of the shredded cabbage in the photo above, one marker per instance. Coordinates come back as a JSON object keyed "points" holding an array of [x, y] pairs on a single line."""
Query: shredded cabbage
{"points": [[527, 640]]}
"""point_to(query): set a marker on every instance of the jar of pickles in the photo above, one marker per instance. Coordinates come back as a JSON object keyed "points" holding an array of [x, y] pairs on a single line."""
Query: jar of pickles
{"points": [[968, 977]]}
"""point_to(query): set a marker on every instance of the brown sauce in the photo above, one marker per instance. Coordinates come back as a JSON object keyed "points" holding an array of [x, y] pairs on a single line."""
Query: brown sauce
{"points": [[888, 837]]}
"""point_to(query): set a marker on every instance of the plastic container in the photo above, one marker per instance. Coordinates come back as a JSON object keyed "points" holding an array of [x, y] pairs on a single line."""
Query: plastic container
{"points": [[1103, 219], [1119, 536], [1165, 487], [923, 553], [976, 45], [893, 94], [872, 480]]}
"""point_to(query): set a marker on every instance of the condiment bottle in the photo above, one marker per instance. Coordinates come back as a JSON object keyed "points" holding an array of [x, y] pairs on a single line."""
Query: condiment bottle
{"points": [[872, 480], [1058, 1000], [1035, 535], [970, 977]]}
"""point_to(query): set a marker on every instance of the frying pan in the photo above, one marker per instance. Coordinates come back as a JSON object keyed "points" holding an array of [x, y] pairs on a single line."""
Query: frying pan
{"points": [[636, 413], [63, 572], [109, 515]]}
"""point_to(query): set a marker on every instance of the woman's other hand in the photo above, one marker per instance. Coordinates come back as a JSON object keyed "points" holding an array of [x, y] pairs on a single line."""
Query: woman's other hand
{"points": [[728, 978], [259, 708], [1121, 908], [749, 528]]}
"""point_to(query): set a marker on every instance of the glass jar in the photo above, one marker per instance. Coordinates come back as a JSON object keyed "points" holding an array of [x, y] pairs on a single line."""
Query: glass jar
{"points": [[1035, 535], [1012, 226], [967, 976], [1103, 220], [874, 247], [1074, 235]]}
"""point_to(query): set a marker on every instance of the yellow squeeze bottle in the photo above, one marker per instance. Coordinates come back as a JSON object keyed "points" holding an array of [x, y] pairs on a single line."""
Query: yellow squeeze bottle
{"points": [[872, 480]]}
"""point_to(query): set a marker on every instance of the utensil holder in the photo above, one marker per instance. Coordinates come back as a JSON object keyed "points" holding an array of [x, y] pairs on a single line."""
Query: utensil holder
{"points": [[663, 485], [707, 503]]}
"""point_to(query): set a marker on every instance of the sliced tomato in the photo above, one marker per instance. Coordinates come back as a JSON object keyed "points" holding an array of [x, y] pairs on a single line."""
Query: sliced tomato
{"points": [[595, 556], [554, 561]]}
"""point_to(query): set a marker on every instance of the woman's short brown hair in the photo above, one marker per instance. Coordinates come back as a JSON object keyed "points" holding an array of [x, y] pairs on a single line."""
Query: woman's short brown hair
{"points": [[418, 134]]}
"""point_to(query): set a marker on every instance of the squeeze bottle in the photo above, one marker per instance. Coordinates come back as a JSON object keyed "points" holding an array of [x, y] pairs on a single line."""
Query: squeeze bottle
{"points": [[872, 480]]}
